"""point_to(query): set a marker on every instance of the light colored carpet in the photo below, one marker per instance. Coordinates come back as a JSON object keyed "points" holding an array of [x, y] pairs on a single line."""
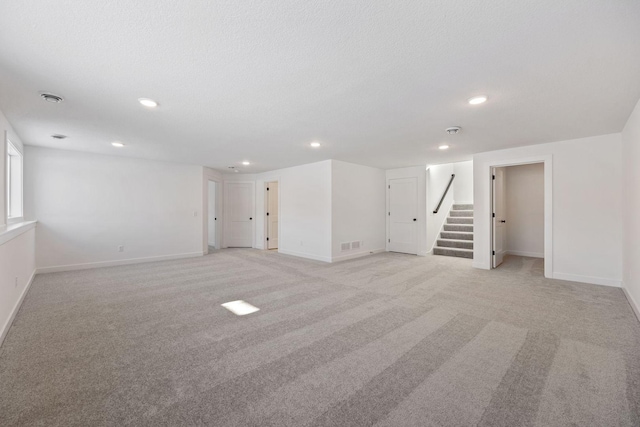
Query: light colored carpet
{"points": [[385, 340]]}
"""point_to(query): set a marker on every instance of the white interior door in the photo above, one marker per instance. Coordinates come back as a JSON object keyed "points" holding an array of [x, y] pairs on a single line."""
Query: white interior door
{"points": [[240, 199], [499, 216], [272, 215], [212, 215], [403, 215]]}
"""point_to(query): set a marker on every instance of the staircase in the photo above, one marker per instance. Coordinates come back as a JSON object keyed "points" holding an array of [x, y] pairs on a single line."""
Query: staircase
{"points": [[456, 237]]}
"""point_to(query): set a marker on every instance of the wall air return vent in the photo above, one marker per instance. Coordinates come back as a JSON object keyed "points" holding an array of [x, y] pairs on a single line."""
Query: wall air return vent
{"points": [[355, 245], [345, 246]]}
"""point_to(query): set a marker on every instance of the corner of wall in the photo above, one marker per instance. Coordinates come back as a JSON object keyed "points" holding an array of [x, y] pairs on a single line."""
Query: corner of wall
{"points": [[632, 302], [630, 155]]}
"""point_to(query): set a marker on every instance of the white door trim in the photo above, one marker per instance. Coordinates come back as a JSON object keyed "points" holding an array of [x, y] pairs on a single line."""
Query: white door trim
{"points": [[497, 254], [548, 204]]}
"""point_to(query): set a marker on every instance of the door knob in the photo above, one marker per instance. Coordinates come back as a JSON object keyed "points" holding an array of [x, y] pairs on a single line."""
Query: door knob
{"points": [[414, 219]]}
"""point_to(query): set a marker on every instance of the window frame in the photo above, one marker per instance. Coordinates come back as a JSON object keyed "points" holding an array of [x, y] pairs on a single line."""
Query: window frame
{"points": [[10, 163]]}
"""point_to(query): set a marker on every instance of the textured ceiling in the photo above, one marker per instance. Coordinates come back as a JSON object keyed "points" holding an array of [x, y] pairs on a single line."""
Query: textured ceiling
{"points": [[376, 82]]}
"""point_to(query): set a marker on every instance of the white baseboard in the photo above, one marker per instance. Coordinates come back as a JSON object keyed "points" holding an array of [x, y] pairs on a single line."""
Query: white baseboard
{"points": [[305, 255], [84, 266], [16, 307], [632, 302], [588, 279], [527, 254], [353, 255]]}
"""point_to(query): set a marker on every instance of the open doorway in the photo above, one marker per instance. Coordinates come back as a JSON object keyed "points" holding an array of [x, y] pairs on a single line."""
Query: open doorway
{"points": [[518, 213], [272, 215], [212, 218]]}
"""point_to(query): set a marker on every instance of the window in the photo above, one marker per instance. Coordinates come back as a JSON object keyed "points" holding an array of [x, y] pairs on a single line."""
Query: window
{"points": [[14, 183]]}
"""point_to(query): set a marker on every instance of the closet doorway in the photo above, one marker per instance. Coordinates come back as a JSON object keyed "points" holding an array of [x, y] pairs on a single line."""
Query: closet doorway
{"points": [[518, 212]]}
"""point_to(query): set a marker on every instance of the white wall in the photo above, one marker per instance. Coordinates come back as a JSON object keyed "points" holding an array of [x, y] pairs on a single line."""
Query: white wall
{"points": [[305, 209], [463, 183], [358, 209], [420, 173], [631, 205], [17, 268], [87, 205], [320, 205], [17, 244], [586, 209], [525, 209], [437, 179]]}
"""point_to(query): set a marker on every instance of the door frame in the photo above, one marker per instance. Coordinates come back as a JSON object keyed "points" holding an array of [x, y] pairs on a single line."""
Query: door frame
{"points": [[421, 173], [547, 160], [265, 244], [417, 213], [494, 219], [205, 211], [253, 210]]}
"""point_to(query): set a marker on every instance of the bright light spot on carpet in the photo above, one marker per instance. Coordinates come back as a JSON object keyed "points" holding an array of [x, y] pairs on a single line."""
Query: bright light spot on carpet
{"points": [[240, 307]]}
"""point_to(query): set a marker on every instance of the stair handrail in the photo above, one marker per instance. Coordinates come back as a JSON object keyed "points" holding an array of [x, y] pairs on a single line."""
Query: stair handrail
{"points": [[453, 175]]}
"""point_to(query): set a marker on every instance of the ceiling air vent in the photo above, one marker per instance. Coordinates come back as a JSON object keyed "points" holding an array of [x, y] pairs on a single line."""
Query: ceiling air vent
{"points": [[453, 130], [49, 97]]}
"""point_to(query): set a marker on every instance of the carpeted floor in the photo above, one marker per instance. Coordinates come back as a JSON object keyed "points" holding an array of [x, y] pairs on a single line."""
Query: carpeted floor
{"points": [[385, 340]]}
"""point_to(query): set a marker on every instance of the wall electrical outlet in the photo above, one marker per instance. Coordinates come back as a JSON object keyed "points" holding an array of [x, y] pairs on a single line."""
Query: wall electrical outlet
{"points": [[195, 213], [120, 248], [16, 285]]}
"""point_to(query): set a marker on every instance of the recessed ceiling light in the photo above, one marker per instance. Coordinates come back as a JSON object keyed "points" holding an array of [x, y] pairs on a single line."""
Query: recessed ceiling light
{"points": [[148, 102], [117, 144], [49, 97], [246, 163], [477, 100], [443, 147], [315, 144], [58, 136]]}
